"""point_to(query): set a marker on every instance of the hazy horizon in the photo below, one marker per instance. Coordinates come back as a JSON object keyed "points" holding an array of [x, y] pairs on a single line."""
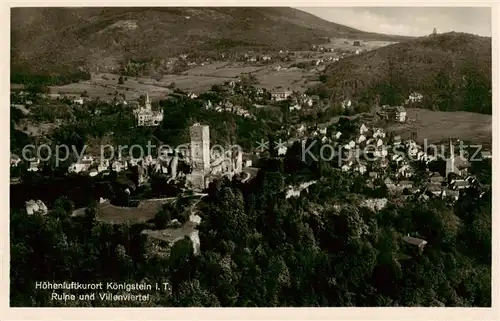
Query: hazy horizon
{"points": [[409, 21]]}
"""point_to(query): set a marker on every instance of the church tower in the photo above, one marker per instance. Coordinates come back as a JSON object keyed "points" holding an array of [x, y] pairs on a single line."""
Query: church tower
{"points": [[147, 102], [450, 162]]}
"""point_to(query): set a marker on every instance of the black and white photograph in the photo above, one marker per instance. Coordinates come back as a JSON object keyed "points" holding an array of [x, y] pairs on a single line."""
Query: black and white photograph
{"points": [[250, 157]]}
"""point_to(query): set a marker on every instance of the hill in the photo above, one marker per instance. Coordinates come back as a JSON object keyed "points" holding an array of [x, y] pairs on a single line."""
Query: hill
{"points": [[452, 71], [60, 38]]}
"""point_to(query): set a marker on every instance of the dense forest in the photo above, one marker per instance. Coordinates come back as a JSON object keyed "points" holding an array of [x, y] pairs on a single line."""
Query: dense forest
{"points": [[260, 249], [34, 81], [452, 71]]}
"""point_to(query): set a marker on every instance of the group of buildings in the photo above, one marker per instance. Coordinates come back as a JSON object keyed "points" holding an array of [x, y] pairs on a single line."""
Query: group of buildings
{"points": [[206, 163], [146, 116]]}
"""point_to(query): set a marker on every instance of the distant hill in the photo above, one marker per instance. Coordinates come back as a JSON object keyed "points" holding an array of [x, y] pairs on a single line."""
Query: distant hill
{"points": [[56, 39], [452, 71]]}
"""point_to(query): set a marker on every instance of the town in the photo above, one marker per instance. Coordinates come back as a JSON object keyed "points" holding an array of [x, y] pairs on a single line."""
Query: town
{"points": [[203, 165]]}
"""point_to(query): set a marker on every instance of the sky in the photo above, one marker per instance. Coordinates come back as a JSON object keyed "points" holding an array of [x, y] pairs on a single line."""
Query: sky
{"points": [[409, 21]]}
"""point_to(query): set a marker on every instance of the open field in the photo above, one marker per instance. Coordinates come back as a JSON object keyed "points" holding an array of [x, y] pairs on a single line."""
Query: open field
{"points": [[196, 80], [222, 69], [172, 235], [347, 44], [292, 79], [141, 214], [201, 78], [437, 126]]}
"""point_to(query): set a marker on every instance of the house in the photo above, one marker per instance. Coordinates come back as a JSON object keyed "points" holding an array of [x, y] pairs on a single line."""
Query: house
{"points": [[14, 160], [301, 130], [103, 165], [34, 165], [280, 95], [363, 129], [400, 114], [78, 167], [415, 97], [405, 171], [459, 184], [337, 135], [78, 101], [356, 43], [37, 206], [346, 104], [378, 133], [415, 241], [361, 139], [382, 153], [351, 145], [486, 155], [282, 150], [397, 113], [119, 165], [373, 175]]}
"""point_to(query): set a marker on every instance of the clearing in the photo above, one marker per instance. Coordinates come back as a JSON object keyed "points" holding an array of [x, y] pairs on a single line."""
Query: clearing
{"points": [[437, 126]]}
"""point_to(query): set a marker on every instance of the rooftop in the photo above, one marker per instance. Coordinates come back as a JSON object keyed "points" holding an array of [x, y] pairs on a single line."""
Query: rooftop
{"points": [[414, 241]]}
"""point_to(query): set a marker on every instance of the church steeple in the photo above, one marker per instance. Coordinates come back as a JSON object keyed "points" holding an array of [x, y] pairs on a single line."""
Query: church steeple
{"points": [[450, 162], [148, 102]]}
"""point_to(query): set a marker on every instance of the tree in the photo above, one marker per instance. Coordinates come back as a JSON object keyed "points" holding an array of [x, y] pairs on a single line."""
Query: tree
{"points": [[63, 207], [163, 217], [120, 80]]}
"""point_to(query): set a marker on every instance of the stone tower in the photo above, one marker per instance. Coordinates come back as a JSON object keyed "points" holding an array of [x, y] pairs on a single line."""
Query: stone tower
{"points": [[200, 148]]}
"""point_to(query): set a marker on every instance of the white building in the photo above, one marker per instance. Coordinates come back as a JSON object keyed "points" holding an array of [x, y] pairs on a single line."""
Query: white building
{"points": [[37, 206], [146, 116], [280, 95], [34, 164], [119, 165], [415, 97], [14, 160], [363, 129]]}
